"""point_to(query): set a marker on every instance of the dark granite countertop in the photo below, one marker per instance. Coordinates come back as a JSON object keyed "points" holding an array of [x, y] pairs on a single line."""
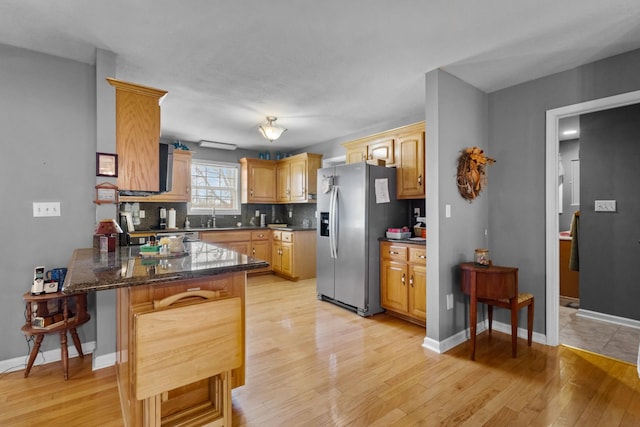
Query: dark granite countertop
{"points": [[200, 229], [92, 270], [410, 241]]}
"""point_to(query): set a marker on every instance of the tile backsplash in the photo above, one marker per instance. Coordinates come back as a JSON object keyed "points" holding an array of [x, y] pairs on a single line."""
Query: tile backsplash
{"points": [[291, 214]]}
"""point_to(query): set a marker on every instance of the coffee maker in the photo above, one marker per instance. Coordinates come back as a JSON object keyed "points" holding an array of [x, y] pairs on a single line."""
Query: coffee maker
{"points": [[163, 218]]}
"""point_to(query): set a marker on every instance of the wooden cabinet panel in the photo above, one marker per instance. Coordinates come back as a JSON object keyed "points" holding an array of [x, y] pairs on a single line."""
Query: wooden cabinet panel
{"points": [[137, 136], [403, 280], [283, 182], [181, 182], [225, 236], [356, 154], [296, 178], [418, 291], [410, 178], [261, 248], [569, 279], [294, 254], [393, 284], [383, 149], [403, 148], [181, 178], [258, 181]]}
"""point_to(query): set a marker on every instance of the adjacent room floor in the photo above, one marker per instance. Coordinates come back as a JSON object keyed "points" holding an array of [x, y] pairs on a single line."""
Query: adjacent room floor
{"points": [[608, 339]]}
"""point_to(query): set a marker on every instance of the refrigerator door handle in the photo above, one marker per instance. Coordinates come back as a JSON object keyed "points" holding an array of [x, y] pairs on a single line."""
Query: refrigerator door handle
{"points": [[333, 222]]}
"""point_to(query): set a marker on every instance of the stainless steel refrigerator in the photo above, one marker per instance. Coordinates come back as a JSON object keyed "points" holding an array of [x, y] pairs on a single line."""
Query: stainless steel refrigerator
{"points": [[352, 215]]}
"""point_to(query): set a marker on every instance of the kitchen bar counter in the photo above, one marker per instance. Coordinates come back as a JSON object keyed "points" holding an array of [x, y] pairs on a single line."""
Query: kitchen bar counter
{"points": [[199, 297], [91, 270]]}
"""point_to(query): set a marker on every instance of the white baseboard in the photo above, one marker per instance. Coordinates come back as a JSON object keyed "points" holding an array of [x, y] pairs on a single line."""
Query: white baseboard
{"points": [[522, 332], [622, 321], [452, 341], [464, 335], [103, 361], [20, 363]]}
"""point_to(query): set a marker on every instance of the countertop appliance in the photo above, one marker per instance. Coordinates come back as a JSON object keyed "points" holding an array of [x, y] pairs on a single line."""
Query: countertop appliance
{"points": [[356, 204]]}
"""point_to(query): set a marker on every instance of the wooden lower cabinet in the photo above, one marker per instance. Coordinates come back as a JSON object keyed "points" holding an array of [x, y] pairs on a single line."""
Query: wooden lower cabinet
{"points": [[255, 243], [569, 279], [293, 254], [261, 248], [185, 401], [239, 241], [403, 280]]}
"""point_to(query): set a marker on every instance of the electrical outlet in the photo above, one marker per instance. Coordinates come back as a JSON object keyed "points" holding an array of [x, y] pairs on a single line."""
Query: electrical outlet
{"points": [[142, 214], [447, 211], [605, 205], [449, 301], [416, 211], [46, 209]]}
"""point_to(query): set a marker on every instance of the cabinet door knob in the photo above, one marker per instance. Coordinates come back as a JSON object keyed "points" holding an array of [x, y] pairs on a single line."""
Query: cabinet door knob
{"points": [[403, 278], [411, 280], [420, 180], [393, 253]]}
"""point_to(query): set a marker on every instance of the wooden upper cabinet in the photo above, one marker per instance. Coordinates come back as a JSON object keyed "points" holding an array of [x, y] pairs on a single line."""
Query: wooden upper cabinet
{"points": [[356, 154], [258, 180], [383, 149], [297, 178], [181, 182], [402, 148], [375, 147], [290, 180], [137, 135], [283, 182], [410, 178]]}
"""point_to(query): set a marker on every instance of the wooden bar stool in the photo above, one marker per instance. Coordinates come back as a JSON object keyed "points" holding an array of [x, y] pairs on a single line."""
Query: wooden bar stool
{"points": [[56, 315], [495, 286]]}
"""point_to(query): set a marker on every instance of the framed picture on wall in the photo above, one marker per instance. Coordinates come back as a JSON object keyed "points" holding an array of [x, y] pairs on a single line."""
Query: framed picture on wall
{"points": [[106, 164]]}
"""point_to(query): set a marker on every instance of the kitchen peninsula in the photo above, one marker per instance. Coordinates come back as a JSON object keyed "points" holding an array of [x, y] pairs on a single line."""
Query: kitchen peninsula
{"points": [[194, 290]]}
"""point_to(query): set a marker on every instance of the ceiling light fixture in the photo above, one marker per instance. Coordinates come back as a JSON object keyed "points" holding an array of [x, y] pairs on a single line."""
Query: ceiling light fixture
{"points": [[219, 145], [570, 132], [271, 131]]}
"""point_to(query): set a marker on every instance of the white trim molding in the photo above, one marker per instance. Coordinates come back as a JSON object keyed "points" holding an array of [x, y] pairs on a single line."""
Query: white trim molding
{"points": [[49, 356]]}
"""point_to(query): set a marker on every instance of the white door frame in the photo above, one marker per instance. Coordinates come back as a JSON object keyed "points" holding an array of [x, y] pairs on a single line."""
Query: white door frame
{"points": [[551, 184]]}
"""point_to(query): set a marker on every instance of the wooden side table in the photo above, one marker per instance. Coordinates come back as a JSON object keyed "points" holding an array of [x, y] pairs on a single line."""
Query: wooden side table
{"points": [[486, 283], [56, 311]]}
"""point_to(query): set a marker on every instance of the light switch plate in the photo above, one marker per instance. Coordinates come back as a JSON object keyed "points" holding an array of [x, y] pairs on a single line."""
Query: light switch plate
{"points": [[605, 205], [46, 209]]}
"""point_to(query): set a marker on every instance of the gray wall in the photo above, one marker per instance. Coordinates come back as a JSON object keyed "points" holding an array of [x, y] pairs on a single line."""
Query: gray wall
{"points": [[456, 118], [48, 120], [517, 181], [609, 249]]}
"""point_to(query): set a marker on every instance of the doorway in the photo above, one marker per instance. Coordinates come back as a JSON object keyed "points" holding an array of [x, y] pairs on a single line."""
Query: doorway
{"points": [[552, 198]]}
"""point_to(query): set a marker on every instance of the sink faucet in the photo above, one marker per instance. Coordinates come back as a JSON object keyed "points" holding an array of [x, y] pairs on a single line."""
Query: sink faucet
{"points": [[213, 217]]}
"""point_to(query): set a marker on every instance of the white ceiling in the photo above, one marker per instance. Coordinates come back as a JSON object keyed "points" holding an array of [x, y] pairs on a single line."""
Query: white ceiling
{"points": [[326, 68]]}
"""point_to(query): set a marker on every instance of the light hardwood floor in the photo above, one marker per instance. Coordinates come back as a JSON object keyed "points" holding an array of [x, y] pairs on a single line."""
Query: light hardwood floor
{"points": [[310, 363]]}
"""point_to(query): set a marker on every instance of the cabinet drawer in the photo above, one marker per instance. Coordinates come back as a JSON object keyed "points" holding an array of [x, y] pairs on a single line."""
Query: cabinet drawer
{"points": [[287, 236], [225, 236], [418, 255], [260, 235], [395, 252]]}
